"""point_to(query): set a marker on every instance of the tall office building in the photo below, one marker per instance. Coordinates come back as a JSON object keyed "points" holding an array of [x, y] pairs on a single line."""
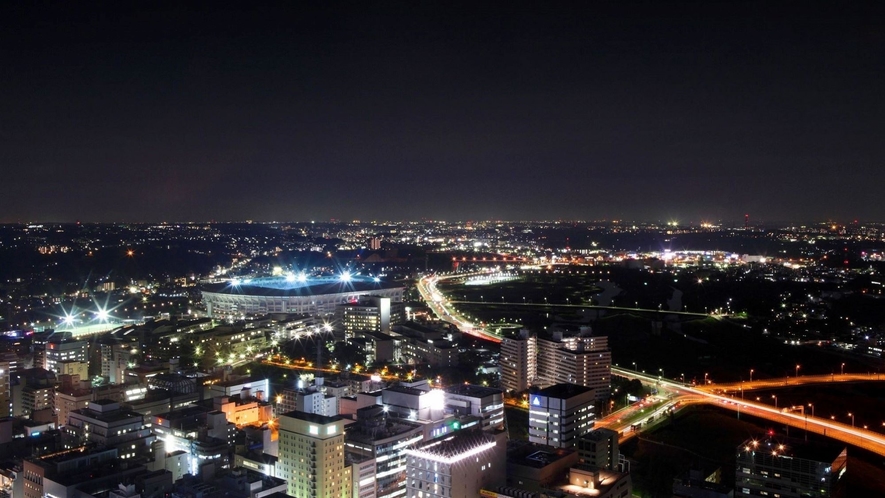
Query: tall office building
{"points": [[61, 350], [518, 362], [486, 403], [581, 359], [560, 414], [115, 360], [369, 313], [787, 468], [384, 440], [5, 390], [312, 456], [459, 465], [599, 448]]}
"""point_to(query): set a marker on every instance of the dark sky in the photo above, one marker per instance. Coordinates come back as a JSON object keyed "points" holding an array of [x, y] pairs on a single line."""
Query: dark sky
{"points": [[408, 110]]}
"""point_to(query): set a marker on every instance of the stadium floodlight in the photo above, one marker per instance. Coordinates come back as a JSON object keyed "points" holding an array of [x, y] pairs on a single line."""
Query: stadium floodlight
{"points": [[69, 319], [377, 279], [290, 277], [302, 277], [102, 314], [235, 282], [345, 277]]}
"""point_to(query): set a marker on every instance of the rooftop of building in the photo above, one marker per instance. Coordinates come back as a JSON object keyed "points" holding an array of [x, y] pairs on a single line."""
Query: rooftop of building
{"points": [[535, 455], [236, 382], [312, 417], [563, 391], [780, 445], [312, 286], [461, 444], [405, 390], [473, 390], [110, 416], [600, 434]]}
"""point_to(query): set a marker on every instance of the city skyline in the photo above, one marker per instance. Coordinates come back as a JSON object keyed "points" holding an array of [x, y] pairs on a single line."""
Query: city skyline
{"points": [[638, 111]]}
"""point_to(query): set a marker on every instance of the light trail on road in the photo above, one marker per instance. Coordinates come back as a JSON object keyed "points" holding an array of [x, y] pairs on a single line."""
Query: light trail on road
{"points": [[861, 438]]}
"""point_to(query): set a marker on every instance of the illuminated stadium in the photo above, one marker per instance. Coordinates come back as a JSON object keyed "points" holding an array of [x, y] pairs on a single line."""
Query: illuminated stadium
{"points": [[291, 294]]}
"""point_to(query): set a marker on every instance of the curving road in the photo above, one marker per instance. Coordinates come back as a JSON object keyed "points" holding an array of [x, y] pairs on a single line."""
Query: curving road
{"points": [[444, 310], [862, 438]]}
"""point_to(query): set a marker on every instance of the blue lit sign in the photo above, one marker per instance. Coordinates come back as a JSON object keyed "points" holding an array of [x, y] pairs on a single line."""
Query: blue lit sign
{"points": [[536, 401]]}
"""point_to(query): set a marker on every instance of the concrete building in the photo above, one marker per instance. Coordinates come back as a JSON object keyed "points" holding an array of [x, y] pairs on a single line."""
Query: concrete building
{"points": [[369, 313], [240, 411], [316, 402], [105, 423], [203, 435], [560, 414], [582, 359], [412, 403], [459, 465], [534, 467], [586, 480], [115, 359], [518, 362], [59, 350], [33, 390], [5, 389], [599, 448], [435, 352], [68, 400], [312, 456], [788, 468], [487, 403], [383, 439]]}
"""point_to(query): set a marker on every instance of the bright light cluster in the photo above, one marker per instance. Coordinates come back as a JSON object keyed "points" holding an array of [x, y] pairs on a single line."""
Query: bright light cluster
{"points": [[423, 453]]}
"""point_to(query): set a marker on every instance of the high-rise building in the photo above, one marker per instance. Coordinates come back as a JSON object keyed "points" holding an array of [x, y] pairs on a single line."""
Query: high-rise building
{"points": [[115, 360], [487, 403], [384, 439], [787, 468], [5, 390], [369, 313], [317, 402], [58, 350], [459, 465], [582, 359], [312, 456], [33, 389], [518, 362], [599, 448], [560, 414]]}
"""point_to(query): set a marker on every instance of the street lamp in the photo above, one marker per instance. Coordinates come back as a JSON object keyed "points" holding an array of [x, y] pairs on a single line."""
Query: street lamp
{"points": [[751, 375], [843, 369], [705, 378], [775, 401], [797, 371], [635, 368], [812, 409], [852, 418]]}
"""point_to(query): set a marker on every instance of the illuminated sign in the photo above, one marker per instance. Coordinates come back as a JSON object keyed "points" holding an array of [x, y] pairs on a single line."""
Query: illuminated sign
{"points": [[536, 401]]}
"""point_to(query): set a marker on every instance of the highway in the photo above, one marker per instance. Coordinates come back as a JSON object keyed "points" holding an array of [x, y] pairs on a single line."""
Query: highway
{"points": [[678, 394], [594, 307], [443, 309], [862, 438], [801, 380]]}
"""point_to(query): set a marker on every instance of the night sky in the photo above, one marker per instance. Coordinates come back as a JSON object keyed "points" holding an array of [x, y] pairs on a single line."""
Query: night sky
{"points": [[410, 110]]}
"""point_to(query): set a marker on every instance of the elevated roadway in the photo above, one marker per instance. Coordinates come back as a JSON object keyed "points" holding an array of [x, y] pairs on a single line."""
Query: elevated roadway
{"points": [[862, 438]]}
